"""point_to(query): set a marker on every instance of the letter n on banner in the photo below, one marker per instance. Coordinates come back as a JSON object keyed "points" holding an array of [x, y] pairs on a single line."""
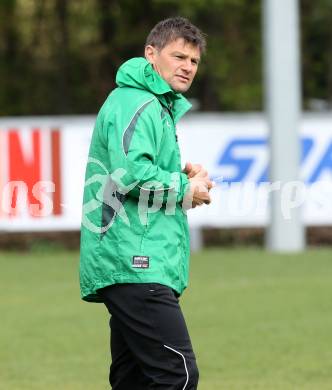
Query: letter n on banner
{"points": [[24, 152], [34, 156]]}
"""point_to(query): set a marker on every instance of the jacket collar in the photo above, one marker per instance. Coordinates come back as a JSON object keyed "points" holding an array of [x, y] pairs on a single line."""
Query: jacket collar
{"points": [[139, 73]]}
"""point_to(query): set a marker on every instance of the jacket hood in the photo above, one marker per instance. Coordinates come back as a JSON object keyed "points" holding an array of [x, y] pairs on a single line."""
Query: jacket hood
{"points": [[139, 73]]}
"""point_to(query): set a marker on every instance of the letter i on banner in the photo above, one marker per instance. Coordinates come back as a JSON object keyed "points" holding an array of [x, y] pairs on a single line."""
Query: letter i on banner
{"points": [[56, 170], [1, 172]]}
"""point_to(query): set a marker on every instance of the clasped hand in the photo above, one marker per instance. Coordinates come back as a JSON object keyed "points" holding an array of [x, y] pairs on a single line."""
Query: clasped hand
{"points": [[200, 185]]}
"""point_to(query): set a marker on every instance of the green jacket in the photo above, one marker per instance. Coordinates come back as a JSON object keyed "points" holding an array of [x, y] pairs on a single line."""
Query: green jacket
{"points": [[134, 229]]}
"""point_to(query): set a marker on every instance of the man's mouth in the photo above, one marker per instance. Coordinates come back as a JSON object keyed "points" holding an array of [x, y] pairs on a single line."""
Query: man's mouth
{"points": [[183, 78]]}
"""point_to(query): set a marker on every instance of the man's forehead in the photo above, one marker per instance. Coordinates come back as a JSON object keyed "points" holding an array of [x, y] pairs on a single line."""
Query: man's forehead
{"points": [[183, 46]]}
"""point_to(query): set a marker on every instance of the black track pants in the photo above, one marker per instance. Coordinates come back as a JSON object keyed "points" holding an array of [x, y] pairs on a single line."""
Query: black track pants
{"points": [[150, 344]]}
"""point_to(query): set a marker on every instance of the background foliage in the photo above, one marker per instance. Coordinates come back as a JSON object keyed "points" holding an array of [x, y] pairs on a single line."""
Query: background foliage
{"points": [[61, 56]]}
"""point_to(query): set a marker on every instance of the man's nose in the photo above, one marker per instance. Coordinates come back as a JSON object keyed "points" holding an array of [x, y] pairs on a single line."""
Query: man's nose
{"points": [[187, 66]]}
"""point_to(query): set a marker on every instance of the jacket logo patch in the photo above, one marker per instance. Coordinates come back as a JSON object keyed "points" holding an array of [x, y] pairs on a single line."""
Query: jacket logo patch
{"points": [[141, 261]]}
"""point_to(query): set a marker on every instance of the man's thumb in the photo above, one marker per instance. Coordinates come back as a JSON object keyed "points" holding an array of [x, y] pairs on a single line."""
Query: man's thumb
{"points": [[188, 167]]}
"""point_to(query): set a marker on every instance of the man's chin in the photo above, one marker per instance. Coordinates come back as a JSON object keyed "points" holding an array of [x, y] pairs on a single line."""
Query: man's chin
{"points": [[180, 88]]}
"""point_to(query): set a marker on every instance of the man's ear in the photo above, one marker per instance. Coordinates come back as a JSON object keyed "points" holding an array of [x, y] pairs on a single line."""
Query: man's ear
{"points": [[150, 53]]}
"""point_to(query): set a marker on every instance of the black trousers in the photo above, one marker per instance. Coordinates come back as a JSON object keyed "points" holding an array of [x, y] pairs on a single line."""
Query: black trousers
{"points": [[150, 344]]}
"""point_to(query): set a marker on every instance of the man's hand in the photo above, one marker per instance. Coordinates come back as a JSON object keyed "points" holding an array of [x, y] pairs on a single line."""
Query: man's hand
{"points": [[194, 170], [198, 193], [200, 185]]}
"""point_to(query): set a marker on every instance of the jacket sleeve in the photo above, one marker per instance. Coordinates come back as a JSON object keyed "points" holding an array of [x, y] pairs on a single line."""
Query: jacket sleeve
{"points": [[138, 173]]}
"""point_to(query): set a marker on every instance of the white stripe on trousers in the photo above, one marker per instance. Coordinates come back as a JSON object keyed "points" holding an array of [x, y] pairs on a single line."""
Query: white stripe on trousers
{"points": [[185, 364]]}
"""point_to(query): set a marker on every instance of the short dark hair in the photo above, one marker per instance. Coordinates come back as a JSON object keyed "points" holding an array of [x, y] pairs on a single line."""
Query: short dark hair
{"points": [[170, 29]]}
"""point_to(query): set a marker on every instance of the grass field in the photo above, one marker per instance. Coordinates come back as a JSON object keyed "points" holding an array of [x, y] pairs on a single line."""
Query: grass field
{"points": [[258, 322]]}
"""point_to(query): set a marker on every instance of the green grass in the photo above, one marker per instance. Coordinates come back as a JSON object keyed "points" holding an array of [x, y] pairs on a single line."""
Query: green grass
{"points": [[257, 321]]}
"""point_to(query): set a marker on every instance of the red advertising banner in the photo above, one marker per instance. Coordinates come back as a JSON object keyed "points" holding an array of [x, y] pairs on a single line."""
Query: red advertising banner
{"points": [[30, 172], [42, 163]]}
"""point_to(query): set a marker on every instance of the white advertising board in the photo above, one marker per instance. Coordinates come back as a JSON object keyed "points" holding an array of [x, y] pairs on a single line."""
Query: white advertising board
{"points": [[42, 165]]}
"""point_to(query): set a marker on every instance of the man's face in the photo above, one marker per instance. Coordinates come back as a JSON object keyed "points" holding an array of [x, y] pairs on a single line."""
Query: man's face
{"points": [[176, 63]]}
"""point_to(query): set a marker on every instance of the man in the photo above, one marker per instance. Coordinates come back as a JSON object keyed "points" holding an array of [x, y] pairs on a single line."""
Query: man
{"points": [[135, 241]]}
